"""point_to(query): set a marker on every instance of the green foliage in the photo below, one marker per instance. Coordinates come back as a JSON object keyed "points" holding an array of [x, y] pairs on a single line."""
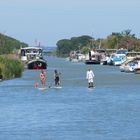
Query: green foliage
{"points": [[65, 46], [8, 44], [85, 50], [114, 41], [10, 68], [122, 40]]}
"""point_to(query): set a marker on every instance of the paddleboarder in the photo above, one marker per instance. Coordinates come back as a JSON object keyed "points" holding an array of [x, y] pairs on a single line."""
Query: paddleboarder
{"points": [[89, 76], [56, 78], [43, 78]]}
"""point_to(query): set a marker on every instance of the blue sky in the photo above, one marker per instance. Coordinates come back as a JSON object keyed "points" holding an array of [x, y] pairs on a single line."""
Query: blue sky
{"points": [[48, 21]]}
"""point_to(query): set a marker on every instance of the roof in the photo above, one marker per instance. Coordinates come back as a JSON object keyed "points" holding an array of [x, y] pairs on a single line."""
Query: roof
{"points": [[28, 48]]}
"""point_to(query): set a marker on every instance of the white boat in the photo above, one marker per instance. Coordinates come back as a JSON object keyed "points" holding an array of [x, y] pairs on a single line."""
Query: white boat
{"points": [[124, 65], [118, 58], [130, 65], [76, 56], [137, 69], [104, 59], [130, 57], [93, 57], [33, 58]]}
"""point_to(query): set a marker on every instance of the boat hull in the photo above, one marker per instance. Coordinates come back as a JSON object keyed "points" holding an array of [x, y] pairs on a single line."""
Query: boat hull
{"points": [[90, 62], [37, 64], [137, 71]]}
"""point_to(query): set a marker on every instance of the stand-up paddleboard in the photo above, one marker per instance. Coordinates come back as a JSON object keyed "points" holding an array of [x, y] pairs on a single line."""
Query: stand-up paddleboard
{"points": [[91, 87], [41, 88], [56, 87]]}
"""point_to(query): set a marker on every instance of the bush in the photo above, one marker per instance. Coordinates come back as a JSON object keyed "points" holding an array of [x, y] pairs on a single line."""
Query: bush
{"points": [[10, 68]]}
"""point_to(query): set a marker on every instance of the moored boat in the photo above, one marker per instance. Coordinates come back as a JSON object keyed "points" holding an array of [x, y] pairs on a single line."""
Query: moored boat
{"points": [[76, 56], [118, 58], [137, 70], [93, 58], [130, 65]]}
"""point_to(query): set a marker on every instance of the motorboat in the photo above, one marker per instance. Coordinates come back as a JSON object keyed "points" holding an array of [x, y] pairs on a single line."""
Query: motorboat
{"points": [[37, 64], [104, 59], [137, 69], [118, 58], [124, 65], [132, 55], [130, 65], [32, 57], [93, 58], [76, 56]]}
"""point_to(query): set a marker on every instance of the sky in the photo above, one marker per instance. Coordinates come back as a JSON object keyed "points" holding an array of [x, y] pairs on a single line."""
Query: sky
{"points": [[48, 21]]}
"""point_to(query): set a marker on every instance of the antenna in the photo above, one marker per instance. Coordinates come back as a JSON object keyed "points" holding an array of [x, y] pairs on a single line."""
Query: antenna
{"points": [[36, 42]]}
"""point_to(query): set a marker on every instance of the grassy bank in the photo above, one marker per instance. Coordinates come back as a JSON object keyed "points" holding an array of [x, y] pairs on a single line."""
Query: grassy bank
{"points": [[10, 68]]}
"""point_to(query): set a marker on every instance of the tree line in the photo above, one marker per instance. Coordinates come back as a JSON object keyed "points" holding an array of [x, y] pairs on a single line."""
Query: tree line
{"points": [[124, 39], [9, 45]]}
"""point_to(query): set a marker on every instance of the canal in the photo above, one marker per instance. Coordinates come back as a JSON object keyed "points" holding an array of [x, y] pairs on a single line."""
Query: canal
{"points": [[110, 111]]}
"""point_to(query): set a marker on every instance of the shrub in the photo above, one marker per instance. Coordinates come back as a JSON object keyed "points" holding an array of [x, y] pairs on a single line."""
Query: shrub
{"points": [[10, 68]]}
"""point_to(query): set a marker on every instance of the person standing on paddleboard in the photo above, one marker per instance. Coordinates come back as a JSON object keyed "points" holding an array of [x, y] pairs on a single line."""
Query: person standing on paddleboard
{"points": [[43, 78], [89, 76], [56, 78]]}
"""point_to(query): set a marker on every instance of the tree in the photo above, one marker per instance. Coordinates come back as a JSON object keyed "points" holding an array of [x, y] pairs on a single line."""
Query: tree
{"points": [[8, 44], [127, 33], [65, 46]]}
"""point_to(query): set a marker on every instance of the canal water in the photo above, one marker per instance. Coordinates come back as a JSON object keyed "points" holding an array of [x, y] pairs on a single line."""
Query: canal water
{"points": [[110, 111]]}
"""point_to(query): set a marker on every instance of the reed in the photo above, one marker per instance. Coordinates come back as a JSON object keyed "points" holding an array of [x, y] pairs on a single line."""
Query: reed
{"points": [[10, 68]]}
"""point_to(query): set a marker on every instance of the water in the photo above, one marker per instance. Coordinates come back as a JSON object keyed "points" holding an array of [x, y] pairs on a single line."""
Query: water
{"points": [[108, 112]]}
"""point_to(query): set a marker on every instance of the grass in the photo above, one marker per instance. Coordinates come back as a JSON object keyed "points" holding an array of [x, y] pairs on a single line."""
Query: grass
{"points": [[10, 68]]}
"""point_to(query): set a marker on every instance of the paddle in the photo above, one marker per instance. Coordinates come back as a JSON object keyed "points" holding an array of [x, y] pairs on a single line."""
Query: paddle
{"points": [[51, 84]]}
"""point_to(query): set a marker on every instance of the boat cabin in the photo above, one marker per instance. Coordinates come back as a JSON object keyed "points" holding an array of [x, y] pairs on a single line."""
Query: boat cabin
{"points": [[132, 55], [30, 53]]}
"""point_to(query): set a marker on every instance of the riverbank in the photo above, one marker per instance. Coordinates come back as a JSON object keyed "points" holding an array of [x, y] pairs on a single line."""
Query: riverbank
{"points": [[10, 67]]}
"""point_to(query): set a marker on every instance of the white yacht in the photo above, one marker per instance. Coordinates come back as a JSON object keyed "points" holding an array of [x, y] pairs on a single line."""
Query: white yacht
{"points": [[33, 58]]}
